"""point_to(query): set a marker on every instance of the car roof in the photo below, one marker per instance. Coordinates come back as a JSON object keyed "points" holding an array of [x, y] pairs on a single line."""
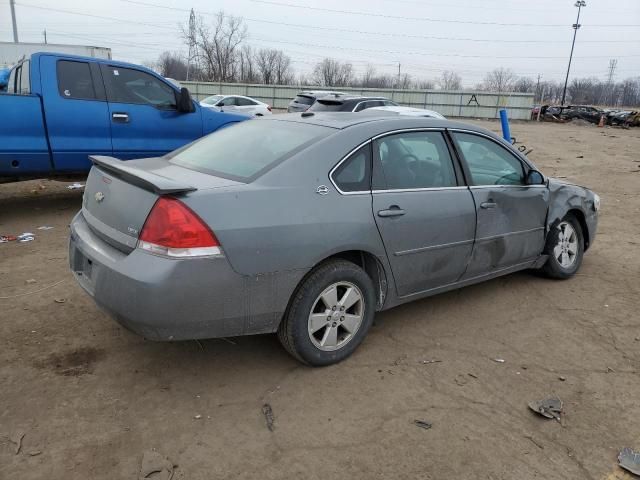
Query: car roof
{"points": [[315, 93], [349, 97], [342, 120]]}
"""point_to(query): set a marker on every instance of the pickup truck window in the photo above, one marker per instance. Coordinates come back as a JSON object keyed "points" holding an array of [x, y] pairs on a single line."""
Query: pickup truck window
{"points": [[25, 82], [126, 85], [75, 81], [11, 86]]}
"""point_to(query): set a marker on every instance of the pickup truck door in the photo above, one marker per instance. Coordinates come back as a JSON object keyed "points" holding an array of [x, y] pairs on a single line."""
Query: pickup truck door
{"points": [[143, 115], [76, 112]]}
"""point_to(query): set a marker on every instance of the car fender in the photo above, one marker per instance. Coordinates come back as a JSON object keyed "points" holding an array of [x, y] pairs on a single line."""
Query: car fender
{"points": [[565, 197]]}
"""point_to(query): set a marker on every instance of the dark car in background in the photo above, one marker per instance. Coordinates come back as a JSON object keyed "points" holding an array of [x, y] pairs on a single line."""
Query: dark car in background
{"points": [[349, 103], [583, 112], [305, 99]]}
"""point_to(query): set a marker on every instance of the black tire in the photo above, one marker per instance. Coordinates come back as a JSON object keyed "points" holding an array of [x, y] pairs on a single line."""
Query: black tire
{"points": [[553, 268], [294, 330]]}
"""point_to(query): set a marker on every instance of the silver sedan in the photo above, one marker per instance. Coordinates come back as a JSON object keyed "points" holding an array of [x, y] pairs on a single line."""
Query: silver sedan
{"points": [[307, 224]]}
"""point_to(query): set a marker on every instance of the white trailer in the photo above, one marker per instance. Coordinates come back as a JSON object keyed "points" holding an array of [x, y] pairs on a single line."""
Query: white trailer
{"points": [[11, 53]]}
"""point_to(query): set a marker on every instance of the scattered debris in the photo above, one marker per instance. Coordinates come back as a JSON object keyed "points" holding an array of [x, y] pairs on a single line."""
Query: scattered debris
{"points": [[26, 237], [197, 417], [75, 186], [154, 463], [562, 378], [17, 440], [629, 460], [45, 227], [422, 424], [59, 300], [498, 360], [580, 156], [267, 411], [34, 453], [548, 407], [472, 375], [610, 370], [427, 362], [29, 281], [461, 380], [533, 440], [399, 360]]}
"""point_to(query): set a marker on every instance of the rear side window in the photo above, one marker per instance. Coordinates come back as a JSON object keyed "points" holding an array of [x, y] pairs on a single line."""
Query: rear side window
{"points": [[326, 106], [303, 100], [415, 160], [244, 102], [354, 174], [75, 81], [246, 150], [127, 85]]}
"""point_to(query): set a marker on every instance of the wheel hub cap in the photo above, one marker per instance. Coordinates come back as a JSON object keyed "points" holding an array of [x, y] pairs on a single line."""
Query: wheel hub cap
{"points": [[336, 316], [566, 249]]}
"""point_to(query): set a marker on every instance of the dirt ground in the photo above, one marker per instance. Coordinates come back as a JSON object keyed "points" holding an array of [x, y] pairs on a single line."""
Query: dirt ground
{"points": [[91, 398]]}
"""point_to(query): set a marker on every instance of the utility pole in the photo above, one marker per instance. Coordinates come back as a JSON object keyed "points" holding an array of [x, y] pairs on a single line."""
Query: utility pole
{"points": [[537, 87], [398, 75], [45, 36], [192, 40], [12, 4], [613, 63], [576, 26]]}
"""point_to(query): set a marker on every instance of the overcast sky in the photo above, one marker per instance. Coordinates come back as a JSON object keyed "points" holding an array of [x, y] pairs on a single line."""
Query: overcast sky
{"points": [[426, 37]]}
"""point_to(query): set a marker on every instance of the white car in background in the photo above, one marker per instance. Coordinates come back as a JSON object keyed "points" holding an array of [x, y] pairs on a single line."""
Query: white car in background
{"points": [[409, 111], [237, 104]]}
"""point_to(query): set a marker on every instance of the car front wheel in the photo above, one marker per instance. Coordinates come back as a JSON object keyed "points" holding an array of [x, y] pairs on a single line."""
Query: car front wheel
{"points": [[329, 314], [565, 247]]}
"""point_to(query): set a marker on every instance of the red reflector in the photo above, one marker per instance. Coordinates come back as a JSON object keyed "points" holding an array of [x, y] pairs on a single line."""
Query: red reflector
{"points": [[174, 225]]}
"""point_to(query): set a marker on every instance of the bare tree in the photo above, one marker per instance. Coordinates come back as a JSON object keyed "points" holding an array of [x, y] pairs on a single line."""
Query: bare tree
{"points": [[524, 85], [284, 70], [332, 73], [425, 84], [217, 45], [247, 69], [172, 65], [450, 81], [499, 80], [404, 82]]}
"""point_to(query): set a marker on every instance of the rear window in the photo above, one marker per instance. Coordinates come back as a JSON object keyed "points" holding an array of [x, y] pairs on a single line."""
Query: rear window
{"points": [[246, 150], [326, 106], [303, 100]]}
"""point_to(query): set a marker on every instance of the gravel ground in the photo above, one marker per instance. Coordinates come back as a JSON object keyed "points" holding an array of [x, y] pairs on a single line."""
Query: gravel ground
{"points": [[92, 398]]}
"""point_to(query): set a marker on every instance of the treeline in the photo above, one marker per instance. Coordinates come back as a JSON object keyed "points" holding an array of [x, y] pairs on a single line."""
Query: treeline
{"points": [[220, 53]]}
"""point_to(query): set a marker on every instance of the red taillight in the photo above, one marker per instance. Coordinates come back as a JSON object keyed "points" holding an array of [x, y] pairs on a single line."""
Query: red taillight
{"points": [[174, 230], [269, 107]]}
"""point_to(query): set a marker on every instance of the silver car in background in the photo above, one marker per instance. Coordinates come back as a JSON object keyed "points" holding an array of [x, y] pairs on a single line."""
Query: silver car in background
{"points": [[303, 100], [307, 224], [237, 104]]}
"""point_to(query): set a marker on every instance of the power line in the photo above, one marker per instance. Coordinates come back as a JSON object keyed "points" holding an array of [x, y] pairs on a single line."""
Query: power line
{"points": [[383, 34], [423, 19]]}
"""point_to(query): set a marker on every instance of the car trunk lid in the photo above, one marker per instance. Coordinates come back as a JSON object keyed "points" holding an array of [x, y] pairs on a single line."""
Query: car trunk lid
{"points": [[119, 195]]}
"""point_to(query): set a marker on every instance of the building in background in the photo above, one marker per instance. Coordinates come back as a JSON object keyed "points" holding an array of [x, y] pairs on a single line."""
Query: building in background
{"points": [[11, 52]]}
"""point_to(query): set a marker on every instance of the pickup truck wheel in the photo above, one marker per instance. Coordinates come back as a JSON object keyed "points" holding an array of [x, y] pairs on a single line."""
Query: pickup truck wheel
{"points": [[565, 247], [329, 314]]}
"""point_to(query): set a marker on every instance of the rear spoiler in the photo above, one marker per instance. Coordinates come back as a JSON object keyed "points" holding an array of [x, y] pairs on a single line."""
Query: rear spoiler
{"points": [[140, 177]]}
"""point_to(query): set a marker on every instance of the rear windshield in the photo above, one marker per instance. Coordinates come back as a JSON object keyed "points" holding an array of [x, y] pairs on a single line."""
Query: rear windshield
{"points": [[326, 106], [304, 99], [246, 150]]}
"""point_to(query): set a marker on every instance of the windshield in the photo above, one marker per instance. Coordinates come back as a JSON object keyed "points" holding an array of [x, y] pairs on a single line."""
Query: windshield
{"points": [[247, 149], [212, 100]]}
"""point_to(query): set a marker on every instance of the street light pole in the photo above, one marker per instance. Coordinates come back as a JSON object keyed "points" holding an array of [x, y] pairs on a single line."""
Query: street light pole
{"points": [[576, 26], [12, 4]]}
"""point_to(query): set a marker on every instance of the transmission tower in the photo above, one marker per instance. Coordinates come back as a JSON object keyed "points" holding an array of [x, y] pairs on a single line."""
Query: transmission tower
{"points": [[192, 41], [613, 63]]}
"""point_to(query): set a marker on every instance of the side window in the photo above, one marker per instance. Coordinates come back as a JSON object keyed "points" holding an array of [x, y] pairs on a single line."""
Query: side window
{"points": [[361, 106], [489, 163], [25, 80], [126, 85], [74, 80], [354, 174], [244, 102], [415, 160], [11, 86], [229, 102]]}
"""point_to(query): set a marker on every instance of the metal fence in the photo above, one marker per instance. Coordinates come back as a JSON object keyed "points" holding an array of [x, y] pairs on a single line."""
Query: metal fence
{"points": [[463, 103]]}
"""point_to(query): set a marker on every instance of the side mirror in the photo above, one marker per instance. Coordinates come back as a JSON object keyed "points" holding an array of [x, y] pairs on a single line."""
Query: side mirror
{"points": [[184, 103], [534, 177]]}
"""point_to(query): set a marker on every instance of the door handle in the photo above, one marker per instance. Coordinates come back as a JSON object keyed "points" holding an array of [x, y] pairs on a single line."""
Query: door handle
{"points": [[392, 211], [120, 117], [488, 205]]}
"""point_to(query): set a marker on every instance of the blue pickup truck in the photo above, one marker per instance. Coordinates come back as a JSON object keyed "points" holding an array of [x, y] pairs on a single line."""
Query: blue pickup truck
{"points": [[59, 109]]}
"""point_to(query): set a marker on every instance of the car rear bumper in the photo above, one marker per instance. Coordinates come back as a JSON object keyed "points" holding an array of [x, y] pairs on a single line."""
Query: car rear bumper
{"points": [[175, 299]]}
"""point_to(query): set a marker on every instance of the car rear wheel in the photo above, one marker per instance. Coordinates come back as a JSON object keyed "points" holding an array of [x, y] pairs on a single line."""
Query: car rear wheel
{"points": [[329, 314], [565, 247]]}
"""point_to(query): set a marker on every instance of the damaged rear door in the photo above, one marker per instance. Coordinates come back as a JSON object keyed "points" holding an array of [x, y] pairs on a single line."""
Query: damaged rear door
{"points": [[510, 214]]}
